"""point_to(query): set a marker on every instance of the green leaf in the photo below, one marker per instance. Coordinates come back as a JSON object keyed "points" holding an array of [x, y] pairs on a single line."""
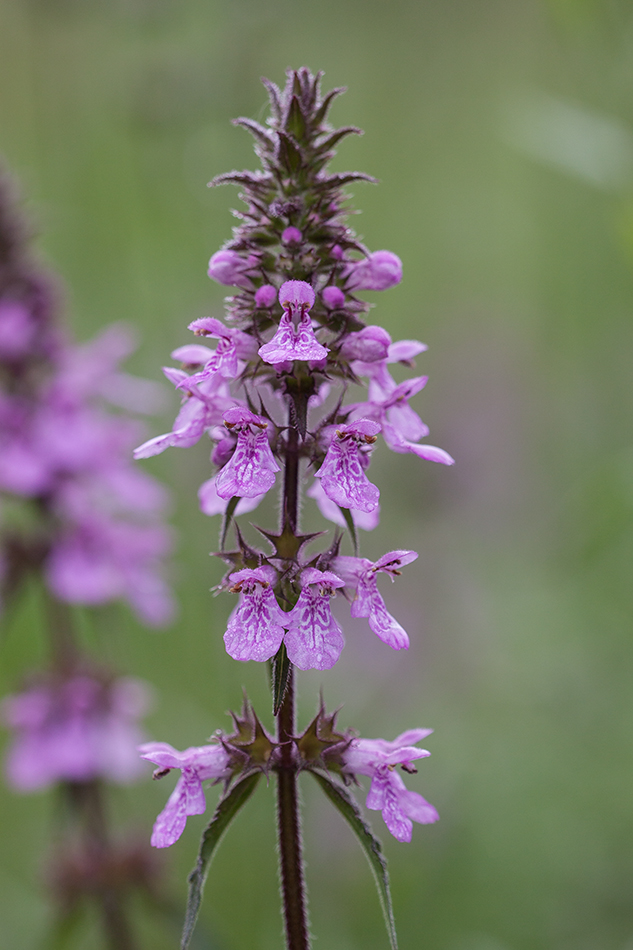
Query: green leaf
{"points": [[226, 521], [226, 811], [341, 798], [351, 527], [295, 121], [281, 671]]}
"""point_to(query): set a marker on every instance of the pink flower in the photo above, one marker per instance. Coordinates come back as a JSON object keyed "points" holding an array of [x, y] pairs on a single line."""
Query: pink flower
{"points": [[211, 503], [265, 296], [17, 329], [203, 407], [291, 235], [367, 520], [255, 629], [342, 473], [74, 730], [230, 268], [314, 639], [294, 339], [378, 759], [333, 297], [379, 271], [388, 403], [251, 470], [368, 345], [196, 764], [361, 574], [233, 345]]}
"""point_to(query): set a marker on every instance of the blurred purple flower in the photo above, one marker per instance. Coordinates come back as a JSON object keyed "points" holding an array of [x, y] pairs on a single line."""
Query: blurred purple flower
{"points": [[74, 730]]}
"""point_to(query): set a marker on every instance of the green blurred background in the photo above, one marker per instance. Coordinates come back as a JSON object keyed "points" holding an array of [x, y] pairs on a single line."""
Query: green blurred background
{"points": [[502, 132]]}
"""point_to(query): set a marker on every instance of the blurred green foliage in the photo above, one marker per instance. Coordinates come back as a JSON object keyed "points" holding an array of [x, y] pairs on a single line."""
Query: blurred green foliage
{"points": [[501, 131]]}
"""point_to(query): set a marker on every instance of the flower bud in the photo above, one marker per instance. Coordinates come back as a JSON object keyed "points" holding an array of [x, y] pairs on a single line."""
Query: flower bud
{"points": [[228, 267], [369, 345], [291, 236], [265, 296], [379, 271], [333, 297]]}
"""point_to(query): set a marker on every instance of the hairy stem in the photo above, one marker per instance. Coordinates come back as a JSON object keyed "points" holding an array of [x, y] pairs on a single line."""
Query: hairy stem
{"points": [[288, 817]]}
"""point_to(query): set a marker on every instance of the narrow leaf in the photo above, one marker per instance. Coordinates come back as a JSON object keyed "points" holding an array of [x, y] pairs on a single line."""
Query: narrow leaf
{"points": [[341, 798], [226, 811], [295, 121], [281, 671], [351, 527], [344, 178], [228, 516], [336, 137], [274, 95], [262, 135], [327, 102], [255, 180]]}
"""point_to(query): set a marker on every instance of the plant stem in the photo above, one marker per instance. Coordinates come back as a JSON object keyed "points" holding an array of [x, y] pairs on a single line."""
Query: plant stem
{"points": [[289, 828], [88, 801], [288, 817]]}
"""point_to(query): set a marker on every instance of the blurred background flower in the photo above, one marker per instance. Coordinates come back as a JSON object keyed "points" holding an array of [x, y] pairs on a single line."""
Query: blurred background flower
{"points": [[501, 132]]}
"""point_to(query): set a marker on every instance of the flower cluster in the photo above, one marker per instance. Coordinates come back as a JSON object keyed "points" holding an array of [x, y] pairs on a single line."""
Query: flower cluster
{"points": [[74, 729], [271, 393], [319, 748], [73, 504]]}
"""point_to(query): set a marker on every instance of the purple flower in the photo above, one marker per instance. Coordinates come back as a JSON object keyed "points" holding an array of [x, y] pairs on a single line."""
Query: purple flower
{"points": [[265, 296], [342, 473], [368, 345], [232, 345], [17, 329], [333, 297], [252, 467], [211, 503], [230, 268], [388, 403], [378, 759], [291, 235], [367, 520], [314, 639], [294, 339], [379, 271], [196, 764], [202, 408], [100, 558], [255, 628], [74, 730], [361, 574]]}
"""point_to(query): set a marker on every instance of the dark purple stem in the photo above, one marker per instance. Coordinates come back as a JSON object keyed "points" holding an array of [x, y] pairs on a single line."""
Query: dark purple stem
{"points": [[87, 799], [288, 818]]}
